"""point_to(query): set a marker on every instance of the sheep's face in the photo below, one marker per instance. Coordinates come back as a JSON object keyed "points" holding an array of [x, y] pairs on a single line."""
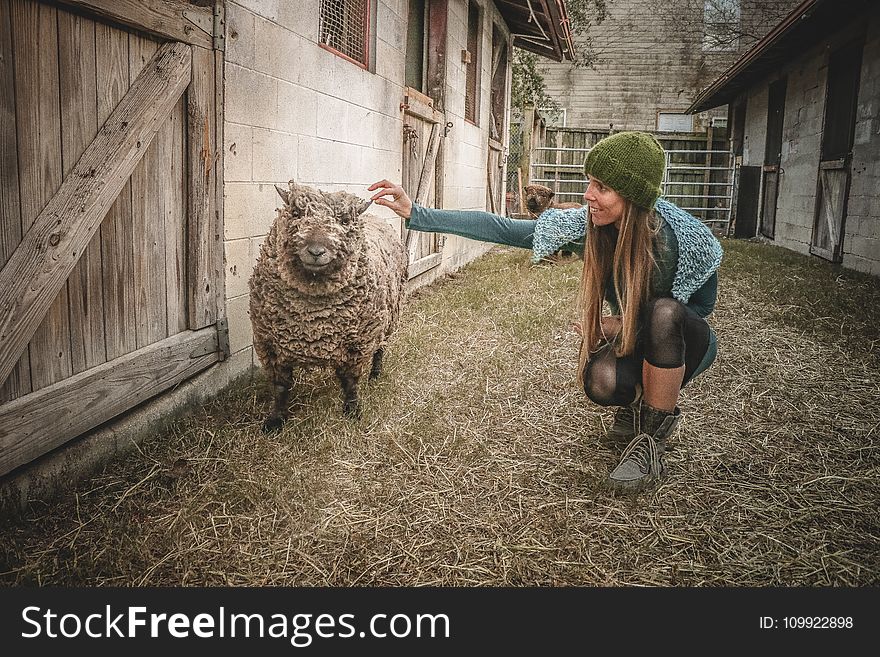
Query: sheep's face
{"points": [[538, 198], [318, 232]]}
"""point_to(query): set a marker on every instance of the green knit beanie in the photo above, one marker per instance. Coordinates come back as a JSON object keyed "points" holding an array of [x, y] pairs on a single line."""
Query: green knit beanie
{"points": [[630, 163]]}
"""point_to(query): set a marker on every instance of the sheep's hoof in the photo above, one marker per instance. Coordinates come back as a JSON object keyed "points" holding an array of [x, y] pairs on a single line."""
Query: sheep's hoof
{"points": [[375, 373], [272, 424]]}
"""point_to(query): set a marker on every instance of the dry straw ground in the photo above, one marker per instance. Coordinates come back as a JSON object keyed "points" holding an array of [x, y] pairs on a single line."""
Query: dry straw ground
{"points": [[478, 461]]}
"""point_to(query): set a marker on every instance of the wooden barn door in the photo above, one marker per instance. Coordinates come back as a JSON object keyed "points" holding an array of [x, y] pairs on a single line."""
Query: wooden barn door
{"points": [[422, 132], [844, 69], [497, 124], [424, 123], [773, 157], [111, 273]]}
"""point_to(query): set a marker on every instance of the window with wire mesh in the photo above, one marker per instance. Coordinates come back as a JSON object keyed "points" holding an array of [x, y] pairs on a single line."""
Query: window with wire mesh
{"points": [[472, 78], [345, 28]]}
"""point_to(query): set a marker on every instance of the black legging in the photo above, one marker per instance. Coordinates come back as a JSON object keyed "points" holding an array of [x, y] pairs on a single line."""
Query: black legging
{"points": [[670, 335]]}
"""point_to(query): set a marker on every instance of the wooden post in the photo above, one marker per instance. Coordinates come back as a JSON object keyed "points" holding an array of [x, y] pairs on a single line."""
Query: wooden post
{"points": [[525, 157], [522, 203]]}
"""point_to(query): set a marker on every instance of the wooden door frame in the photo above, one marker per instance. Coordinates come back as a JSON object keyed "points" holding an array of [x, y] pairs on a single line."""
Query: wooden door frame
{"points": [[191, 63]]}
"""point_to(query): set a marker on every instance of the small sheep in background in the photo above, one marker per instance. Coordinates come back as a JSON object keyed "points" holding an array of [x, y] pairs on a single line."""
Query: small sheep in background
{"points": [[539, 198], [326, 292]]}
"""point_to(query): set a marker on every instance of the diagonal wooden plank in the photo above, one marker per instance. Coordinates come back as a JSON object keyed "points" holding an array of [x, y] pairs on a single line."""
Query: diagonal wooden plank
{"points": [[427, 172], [48, 252], [825, 177]]}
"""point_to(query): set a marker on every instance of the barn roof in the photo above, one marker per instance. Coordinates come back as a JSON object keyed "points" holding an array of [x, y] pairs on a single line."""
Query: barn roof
{"points": [[807, 24], [539, 26]]}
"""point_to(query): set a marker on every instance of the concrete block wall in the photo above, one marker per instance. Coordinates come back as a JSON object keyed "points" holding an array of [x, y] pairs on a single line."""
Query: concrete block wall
{"points": [[295, 110], [801, 142], [861, 246]]}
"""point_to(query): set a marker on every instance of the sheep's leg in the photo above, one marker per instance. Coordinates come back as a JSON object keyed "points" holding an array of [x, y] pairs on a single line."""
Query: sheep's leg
{"points": [[376, 369], [281, 386], [349, 381]]}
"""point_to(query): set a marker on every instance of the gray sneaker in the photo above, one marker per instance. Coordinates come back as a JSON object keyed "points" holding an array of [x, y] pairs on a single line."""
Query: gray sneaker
{"points": [[641, 464]]}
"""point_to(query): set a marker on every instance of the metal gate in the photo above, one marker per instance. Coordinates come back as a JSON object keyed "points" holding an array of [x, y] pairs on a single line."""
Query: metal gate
{"points": [[697, 180]]}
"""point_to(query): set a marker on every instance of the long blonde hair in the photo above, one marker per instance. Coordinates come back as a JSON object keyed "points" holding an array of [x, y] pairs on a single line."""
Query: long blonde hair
{"points": [[629, 263]]}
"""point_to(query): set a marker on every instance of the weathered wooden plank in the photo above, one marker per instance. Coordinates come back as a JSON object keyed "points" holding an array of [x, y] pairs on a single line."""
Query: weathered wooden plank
{"points": [[117, 240], [148, 222], [205, 240], [33, 425], [35, 39], [79, 125], [50, 249], [173, 19], [19, 381], [172, 178]]}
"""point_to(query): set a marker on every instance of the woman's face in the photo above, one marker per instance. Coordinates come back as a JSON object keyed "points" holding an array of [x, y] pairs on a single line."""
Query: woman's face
{"points": [[606, 205]]}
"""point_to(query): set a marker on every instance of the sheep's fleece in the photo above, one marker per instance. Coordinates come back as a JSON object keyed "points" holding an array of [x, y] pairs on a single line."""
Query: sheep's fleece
{"points": [[328, 286]]}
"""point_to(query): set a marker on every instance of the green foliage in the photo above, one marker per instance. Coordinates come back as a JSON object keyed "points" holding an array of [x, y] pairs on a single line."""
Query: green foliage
{"points": [[528, 84]]}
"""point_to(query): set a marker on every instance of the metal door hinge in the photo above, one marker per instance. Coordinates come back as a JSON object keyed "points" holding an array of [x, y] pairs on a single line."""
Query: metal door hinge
{"points": [[223, 338], [220, 346]]}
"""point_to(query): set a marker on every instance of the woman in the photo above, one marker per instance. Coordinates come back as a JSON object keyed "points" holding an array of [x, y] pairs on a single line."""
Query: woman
{"points": [[652, 262]]}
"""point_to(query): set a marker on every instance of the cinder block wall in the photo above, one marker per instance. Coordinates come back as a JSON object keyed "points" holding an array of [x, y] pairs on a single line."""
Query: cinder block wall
{"points": [[861, 247], [297, 111]]}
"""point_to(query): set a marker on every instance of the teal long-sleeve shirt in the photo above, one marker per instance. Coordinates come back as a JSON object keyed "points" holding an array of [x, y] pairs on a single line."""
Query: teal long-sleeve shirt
{"points": [[487, 227]]}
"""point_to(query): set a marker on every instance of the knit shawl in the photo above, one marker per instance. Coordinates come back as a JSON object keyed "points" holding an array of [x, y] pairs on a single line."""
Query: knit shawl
{"points": [[699, 251]]}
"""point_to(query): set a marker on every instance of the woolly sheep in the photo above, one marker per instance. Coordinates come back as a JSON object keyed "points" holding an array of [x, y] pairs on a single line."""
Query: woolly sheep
{"points": [[326, 292]]}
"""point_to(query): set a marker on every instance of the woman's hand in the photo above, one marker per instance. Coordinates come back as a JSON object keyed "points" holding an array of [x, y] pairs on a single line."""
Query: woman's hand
{"points": [[611, 325], [399, 202]]}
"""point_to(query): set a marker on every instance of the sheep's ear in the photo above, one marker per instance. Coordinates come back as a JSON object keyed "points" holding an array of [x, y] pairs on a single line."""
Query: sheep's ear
{"points": [[283, 193], [552, 194], [361, 206]]}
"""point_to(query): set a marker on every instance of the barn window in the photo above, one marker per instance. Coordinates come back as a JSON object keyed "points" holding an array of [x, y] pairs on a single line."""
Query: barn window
{"points": [[721, 23], [345, 29], [674, 122], [471, 57]]}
